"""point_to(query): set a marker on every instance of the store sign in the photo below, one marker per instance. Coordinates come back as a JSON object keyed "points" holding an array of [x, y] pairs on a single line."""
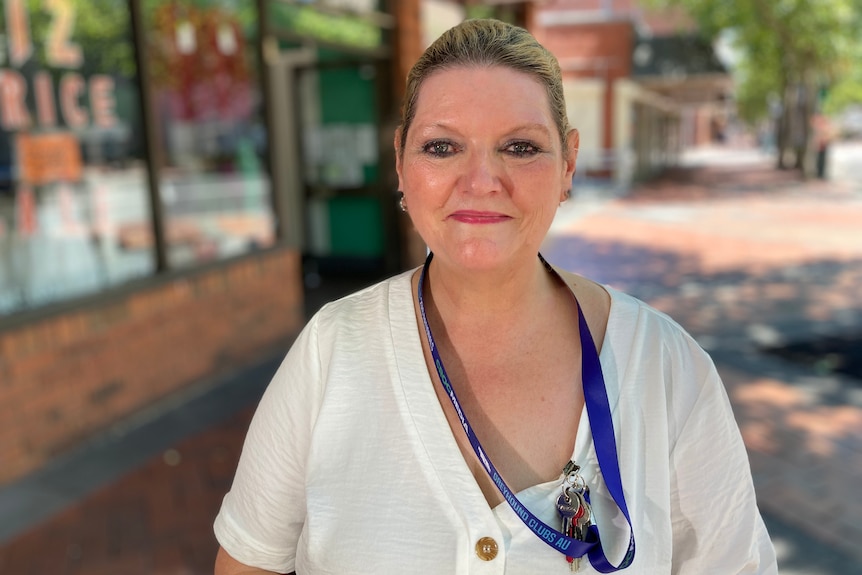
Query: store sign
{"points": [[31, 99], [48, 158]]}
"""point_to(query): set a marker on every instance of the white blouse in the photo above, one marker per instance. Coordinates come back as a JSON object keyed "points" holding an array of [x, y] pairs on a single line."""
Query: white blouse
{"points": [[350, 466]]}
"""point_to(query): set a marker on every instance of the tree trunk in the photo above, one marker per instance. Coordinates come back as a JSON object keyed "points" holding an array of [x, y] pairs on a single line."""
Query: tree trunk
{"points": [[784, 135], [803, 117], [809, 150]]}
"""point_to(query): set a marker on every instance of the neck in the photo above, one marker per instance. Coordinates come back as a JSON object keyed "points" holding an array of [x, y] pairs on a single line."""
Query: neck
{"points": [[479, 297]]}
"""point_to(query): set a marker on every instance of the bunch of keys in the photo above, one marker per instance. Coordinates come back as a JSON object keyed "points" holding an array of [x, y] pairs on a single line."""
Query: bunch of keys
{"points": [[574, 509]]}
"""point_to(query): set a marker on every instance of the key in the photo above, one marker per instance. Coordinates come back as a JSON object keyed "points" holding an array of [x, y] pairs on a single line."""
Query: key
{"points": [[574, 498], [572, 505], [569, 509], [580, 521], [584, 517]]}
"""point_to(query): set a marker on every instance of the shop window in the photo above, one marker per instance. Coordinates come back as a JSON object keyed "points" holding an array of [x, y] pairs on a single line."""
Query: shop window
{"points": [[340, 149], [73, 183], [204, 77]]}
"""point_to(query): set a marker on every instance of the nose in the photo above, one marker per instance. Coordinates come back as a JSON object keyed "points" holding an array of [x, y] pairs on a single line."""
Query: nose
{"points": [[483, 172]]}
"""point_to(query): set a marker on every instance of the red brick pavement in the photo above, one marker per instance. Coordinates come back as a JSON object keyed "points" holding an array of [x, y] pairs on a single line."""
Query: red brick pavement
{"points": [[671, 240], [154, 521]]}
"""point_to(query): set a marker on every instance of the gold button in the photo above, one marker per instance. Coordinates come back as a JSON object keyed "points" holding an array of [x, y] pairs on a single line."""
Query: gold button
{"points": [[486, 548]]}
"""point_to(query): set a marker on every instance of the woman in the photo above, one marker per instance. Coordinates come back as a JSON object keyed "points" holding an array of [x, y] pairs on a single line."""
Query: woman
{"points": [[463, 417]]}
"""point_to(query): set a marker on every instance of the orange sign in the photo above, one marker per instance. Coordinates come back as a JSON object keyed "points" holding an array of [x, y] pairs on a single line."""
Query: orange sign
{"points": [[48, 158]]}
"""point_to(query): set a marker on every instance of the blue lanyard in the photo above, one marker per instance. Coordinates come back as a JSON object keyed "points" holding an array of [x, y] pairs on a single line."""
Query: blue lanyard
{"points": [[599, 413]]}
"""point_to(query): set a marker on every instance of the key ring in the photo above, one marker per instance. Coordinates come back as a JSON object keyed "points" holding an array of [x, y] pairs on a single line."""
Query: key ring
{"points": [[574, 480]]}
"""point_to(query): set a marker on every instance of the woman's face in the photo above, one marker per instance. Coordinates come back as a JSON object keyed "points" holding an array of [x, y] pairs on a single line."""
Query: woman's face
{"points": [[483, 169]]}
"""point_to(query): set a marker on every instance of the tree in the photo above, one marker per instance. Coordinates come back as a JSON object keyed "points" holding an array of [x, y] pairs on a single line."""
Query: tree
{"points": [[792, 51], [847, 90]]}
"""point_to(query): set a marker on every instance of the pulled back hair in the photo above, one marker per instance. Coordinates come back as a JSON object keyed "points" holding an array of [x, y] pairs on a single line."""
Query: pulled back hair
{"points": [[486, 43]]}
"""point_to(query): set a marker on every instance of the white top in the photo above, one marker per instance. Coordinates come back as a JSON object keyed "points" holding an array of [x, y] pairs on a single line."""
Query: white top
{"points": [[350, 466]]}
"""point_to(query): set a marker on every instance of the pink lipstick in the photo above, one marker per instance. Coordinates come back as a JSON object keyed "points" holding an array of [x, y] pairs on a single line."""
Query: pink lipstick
{"points": [[478, 217]]}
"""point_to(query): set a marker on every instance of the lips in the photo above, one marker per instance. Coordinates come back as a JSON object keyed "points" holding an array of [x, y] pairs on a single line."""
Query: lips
{"points": [[479, 217]]}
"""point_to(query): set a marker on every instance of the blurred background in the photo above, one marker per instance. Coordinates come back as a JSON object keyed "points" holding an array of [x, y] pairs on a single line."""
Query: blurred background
{"points": [[183, 182]]}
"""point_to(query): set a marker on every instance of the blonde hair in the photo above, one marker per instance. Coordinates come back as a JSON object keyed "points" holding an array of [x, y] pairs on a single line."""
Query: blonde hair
{"points": [[486, 43]]}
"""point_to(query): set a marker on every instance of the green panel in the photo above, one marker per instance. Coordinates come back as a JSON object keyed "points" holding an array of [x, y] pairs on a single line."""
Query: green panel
{"points": [[345, 96], [355, 227]]}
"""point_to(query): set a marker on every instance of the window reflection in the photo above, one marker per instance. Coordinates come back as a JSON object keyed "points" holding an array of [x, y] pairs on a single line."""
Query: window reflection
{"points": [[72, 172], [214, 186]]}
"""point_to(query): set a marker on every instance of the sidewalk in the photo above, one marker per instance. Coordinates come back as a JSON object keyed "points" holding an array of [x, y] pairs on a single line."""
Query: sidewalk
{"points": [[744, 259], [750, 260]]}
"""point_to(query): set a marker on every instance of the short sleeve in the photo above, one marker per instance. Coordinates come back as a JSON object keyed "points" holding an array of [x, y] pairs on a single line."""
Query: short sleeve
{"points": [[717, 527], [262, 516]]}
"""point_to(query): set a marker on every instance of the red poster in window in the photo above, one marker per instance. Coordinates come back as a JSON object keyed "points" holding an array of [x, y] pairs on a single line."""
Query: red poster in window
{"points": [[48, 158], [199, 56]]}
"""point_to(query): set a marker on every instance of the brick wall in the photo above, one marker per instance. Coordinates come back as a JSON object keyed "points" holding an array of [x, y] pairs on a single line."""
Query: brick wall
{"points": [[68, 376], [597, 50]]}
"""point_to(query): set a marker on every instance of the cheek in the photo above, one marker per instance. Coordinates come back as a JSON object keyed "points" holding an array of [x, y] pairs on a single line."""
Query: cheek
{"points": [[425, 182], [541, 181]]}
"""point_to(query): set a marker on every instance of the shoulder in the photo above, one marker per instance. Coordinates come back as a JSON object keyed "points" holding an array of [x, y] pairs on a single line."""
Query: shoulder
{"points": [[366, 301], [614, 310], [611, 313], [632, 328], [654, 355], [341, 329], [644, 323], [594, 301], [364, 312]]}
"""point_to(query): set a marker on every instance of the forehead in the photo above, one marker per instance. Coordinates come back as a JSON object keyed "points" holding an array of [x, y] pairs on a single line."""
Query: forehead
{"points": [[503, 94]]}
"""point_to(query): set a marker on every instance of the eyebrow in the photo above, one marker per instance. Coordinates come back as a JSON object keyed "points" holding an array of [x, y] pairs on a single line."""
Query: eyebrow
{"points": [[528, 127], [532, 127]]}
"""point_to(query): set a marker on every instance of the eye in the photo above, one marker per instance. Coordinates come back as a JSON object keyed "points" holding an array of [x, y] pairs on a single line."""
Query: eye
{"points": [[522, 149], [439, 148]]}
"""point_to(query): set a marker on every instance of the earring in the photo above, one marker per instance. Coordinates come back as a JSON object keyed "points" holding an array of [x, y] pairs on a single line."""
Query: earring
{"points": [[401, 203]]}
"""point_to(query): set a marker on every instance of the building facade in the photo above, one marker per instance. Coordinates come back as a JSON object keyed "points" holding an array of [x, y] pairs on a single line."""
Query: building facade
{"points": [[635, 101], [171, 173]]}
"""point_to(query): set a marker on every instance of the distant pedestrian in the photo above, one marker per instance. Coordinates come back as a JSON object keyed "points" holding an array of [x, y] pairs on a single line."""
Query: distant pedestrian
{"points": [[488, 412], [824, 133]]}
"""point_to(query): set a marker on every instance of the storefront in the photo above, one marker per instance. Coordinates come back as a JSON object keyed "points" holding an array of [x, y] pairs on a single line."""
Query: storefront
{"points": [[170, 171], [121, 159], [329, 77], [93, 195]]}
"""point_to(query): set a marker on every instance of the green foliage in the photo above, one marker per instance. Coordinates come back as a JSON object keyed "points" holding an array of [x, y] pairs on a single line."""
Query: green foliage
{"points": [[334, 29], [479, 11], [783, 43], [102, 29], [105, 31], [847, 90], [845, 93], [756, 87]]}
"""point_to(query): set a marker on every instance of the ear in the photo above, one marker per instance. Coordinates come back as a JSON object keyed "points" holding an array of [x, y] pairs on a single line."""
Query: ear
{"points": [[398, 152], [573, 142]]}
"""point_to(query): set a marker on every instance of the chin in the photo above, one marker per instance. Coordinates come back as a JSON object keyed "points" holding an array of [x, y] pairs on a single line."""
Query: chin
{"points": [[481, 256]]}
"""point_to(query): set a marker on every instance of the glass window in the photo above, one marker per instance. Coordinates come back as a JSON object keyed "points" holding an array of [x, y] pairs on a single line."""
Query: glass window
{"points": [[74, 215], [214, 185]]}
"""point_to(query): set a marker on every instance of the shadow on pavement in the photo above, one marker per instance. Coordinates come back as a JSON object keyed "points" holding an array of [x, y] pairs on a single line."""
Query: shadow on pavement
{"points": [[802, 424]]}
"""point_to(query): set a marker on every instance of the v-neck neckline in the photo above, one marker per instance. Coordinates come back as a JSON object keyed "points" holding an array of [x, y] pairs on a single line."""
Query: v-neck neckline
{"points": [[429, 419]]}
